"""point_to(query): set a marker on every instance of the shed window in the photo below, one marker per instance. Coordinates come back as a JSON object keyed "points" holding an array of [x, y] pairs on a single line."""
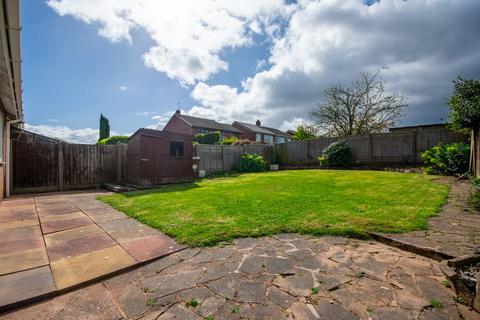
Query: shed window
{"points": [[176, 149]]}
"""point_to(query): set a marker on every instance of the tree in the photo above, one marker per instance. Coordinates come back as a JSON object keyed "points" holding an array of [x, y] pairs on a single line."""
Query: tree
{"points": [[465, 113], [104, 128], [304, 132], [465, 104], [208, 137], [114, 140], [364, 107]]}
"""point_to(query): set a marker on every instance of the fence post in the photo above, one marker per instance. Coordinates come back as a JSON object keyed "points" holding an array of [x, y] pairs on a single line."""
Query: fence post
{"points": [[223, 158], [414, 146], [60, 166], [119, 161], [370, 149]]}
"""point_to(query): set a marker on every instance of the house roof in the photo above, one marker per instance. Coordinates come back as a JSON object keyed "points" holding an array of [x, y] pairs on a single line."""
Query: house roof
{"points": [[430, 125], [10, 59], [261, 129], [209, 124]]}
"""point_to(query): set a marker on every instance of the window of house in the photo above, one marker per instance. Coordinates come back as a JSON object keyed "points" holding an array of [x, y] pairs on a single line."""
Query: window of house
{"points": [[258, 137], [176, 149], [280, 139], [267, 138]]}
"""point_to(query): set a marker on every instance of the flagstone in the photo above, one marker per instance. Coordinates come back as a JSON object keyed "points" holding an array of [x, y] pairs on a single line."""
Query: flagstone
{"points": [[71, 271], [55, 226], [23, 260], [71, 234], [150, 247]]}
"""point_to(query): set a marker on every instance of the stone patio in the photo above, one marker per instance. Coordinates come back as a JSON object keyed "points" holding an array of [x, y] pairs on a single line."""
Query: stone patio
{"points": [[281, 277], [58, 241], [453, 233]]}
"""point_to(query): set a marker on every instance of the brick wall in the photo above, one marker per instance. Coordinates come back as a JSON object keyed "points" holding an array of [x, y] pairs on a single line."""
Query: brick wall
{"points": [[177, 124]]}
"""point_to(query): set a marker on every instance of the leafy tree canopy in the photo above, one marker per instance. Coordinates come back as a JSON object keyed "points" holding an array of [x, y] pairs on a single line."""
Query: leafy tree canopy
{"points": [[465, 104], [304, 132]]}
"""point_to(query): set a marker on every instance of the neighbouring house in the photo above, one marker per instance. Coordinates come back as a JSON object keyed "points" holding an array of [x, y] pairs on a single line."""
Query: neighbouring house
{"points": [[158, 157], [11, 109], [260, 134], [193, 125]]}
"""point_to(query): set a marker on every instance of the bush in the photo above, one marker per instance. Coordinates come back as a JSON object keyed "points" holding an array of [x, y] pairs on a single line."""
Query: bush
{"points": [[251, 163], [207, 138], [449, 159], [114, 140], [337, 154], [241, 142], [229, 141]]}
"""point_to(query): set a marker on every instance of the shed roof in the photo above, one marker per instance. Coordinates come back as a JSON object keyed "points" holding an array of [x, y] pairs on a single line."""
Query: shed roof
{"points": [[209, 124]]}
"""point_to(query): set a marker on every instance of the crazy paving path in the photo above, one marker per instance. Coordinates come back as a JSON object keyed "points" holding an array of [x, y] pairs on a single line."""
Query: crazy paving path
{"points": [[281, 277]]}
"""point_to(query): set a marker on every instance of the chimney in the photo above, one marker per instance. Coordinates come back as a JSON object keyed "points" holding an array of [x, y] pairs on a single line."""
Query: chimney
{"points": [[258, 123], [177, 112]]}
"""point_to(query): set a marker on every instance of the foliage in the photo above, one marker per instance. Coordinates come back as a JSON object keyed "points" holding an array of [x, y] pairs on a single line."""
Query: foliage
{"points": [[251, 163], [448, 159], [362, 108], [337, 154], [434, 303], [317, 202], [104, 128], [229, 141], [304, 132], [114, 140], [465, 104], [241, 142], [208, 137]]}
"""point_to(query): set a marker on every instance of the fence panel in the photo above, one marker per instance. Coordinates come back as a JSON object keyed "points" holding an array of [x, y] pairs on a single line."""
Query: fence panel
{"points": [[42, 165]]}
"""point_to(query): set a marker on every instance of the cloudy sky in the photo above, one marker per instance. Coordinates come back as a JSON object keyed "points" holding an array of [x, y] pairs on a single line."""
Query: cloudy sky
{"points": [[136, 61]]}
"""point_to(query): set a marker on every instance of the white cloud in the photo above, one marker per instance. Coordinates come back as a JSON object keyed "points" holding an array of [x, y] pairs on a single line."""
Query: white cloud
{"points": [[424, 44], [85, 135], [52, 120], [123, 88], [144, 113], [189, 35]]}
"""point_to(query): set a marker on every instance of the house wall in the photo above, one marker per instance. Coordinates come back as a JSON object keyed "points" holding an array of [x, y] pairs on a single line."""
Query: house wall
{"points": [[177, 124]]}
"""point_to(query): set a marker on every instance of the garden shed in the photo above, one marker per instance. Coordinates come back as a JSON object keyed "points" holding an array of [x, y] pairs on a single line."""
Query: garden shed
{"points": [[157, 157]]}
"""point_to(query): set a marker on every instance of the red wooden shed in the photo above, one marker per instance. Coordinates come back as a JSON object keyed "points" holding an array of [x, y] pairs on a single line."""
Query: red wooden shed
{"points": [[158, 157]]}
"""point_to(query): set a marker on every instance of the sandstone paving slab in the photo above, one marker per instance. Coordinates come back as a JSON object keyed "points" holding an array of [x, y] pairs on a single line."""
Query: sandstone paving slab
{"points": [[103, 215], [25, 284], [75, 247], [93, 302], [78, 269], [14, 214], [23, 260], [60, 225], [8, 225], [150, 247], [55, 209], [126, 230], [61, 217], [72, 234]]}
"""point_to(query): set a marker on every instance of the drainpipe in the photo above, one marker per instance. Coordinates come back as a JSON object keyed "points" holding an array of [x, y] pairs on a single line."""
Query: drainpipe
{"points": [[7, 158]]}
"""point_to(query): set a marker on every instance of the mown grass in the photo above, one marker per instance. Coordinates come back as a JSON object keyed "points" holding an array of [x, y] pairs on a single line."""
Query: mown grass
{"points": [[318, 202]]}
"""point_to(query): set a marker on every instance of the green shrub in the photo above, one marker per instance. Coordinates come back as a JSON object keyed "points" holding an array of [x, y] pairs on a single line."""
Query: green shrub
{"points": [[251, 163], [449, 159], [337, 154], [207, 138], [114, 140], [229, 141], [241, 142]]}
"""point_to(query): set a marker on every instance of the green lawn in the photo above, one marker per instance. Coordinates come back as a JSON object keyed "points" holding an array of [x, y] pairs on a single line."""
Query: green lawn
{"points": [[317, 202]]}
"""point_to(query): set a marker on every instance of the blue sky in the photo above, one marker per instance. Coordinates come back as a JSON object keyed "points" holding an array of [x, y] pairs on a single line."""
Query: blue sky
{"points": [[249, 60]]}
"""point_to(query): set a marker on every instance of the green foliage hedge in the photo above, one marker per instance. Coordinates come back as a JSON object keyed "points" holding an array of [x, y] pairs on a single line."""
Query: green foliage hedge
{"points": [[449, 159], [207, 138], [252, 163], [337, 154], [114, 140], [229, 141]]}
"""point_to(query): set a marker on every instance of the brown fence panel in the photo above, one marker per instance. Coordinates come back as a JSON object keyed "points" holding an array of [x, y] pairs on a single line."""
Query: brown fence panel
{"points": [[34, 167]]}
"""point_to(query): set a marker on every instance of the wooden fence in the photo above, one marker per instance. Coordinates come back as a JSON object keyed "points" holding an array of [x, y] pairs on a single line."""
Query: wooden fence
{"points": [[375, 149], [41, 166]]}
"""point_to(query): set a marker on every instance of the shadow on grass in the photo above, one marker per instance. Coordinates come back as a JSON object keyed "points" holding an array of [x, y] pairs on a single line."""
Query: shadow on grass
{"points": [[162, 189]]}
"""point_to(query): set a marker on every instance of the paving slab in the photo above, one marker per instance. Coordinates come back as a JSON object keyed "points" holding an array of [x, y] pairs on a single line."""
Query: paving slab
{"points": [[25, 284], [147, 248], [60, 234], [71, 248], [82, 268]]}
